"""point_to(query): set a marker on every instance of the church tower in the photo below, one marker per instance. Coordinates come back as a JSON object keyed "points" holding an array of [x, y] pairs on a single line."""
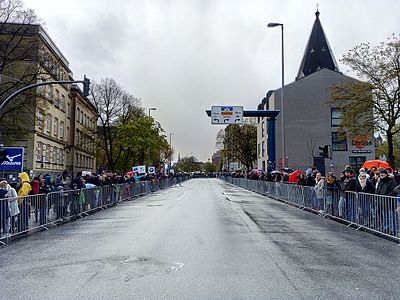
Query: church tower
{"points": [[318, 54]]}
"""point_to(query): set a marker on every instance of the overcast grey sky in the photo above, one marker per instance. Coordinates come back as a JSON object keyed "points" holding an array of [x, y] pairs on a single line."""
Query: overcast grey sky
{"points": [[183, 56]]}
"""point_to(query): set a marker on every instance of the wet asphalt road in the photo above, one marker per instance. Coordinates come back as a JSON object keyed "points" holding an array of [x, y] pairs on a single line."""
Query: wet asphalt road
{"points": [[204, 240]]}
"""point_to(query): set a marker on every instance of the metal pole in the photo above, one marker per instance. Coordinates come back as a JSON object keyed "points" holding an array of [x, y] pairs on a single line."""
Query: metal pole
{"points": [[282, 112], [150, 109], [9, 98], [170, 150]]}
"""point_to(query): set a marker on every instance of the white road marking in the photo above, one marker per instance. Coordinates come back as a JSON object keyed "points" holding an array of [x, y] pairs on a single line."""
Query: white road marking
{"points": [[187, 191], [177, 266]]}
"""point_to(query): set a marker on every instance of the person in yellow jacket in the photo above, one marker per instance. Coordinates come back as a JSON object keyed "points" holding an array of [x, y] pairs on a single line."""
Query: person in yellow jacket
{"points": [[23, 202]]}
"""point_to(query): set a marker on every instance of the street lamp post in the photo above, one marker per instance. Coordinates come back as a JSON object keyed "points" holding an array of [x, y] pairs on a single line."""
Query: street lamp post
{"points": [[170, 151], [283, 83], [150, 109]]}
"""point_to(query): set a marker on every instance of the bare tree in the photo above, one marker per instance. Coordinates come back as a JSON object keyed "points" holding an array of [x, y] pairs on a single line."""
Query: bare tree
{"points": [[114, 107], [310, 149], [18, 65]]}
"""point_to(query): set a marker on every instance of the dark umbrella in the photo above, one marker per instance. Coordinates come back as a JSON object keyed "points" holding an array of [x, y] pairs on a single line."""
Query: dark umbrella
{"points": [[276, 172]]}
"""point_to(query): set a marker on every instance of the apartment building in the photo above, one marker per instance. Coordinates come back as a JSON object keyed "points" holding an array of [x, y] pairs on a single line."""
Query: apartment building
{"points": [[310, 121], [82, 122], [50, 142]]}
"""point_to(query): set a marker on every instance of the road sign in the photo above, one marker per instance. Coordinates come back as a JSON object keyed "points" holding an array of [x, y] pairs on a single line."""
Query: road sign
{"points": [[151, 170], [223, 115], [139, 169], [12, 160]]}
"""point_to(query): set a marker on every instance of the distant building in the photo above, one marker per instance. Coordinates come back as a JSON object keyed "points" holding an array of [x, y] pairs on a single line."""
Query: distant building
{"points": [[216, 158], [310, 122], [55, 138]]}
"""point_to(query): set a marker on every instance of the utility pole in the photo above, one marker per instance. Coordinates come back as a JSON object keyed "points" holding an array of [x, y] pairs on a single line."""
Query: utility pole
{"points": [[150, 109]]}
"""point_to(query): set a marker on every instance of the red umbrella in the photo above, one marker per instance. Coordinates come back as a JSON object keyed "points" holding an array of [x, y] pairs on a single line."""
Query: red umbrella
{"points": [[130, 173], [376, 163], [293, 176]]}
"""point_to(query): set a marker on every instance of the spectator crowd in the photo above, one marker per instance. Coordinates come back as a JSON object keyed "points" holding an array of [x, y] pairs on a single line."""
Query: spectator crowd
{"points": [[369, 197]]}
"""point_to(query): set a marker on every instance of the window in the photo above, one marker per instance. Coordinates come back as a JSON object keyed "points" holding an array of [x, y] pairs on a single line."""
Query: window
{"points": [[40, 120], [339, 142], [54, 154], [61, 134], [57, 98], [48, 123], [55, 126], [69, 110], [41, 88], [82, 138], [77, 137], [262, 129], [78, 114], [336, 116], [258, 150], [50, 94], [81, 116], [356, 162], [62, 104], [62, 156], [39, 151], [67, 136], [58, 156], [47, 154], [263, 149]]}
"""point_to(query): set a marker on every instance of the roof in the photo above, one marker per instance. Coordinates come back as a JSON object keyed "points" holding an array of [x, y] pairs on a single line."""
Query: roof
{"points": [[21, 29], [318, 54]]}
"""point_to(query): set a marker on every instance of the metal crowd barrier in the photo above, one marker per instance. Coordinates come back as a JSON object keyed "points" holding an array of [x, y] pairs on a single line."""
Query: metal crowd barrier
{"points": [[374, 212], [23, 215]]}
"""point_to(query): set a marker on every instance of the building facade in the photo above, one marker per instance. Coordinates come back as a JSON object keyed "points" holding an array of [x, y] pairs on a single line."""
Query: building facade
{"points": [[50, 144], [81, 148], [310, 121]]}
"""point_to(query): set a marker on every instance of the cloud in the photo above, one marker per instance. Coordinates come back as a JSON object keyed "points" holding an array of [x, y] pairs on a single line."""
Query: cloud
{"points": [[183, 56]]}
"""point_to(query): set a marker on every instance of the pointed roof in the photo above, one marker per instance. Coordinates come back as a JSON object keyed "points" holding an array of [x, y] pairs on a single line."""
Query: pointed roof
{"points": [[318, 54]]}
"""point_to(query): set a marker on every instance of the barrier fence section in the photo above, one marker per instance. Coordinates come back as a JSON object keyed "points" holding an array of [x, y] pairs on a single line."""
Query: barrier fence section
{"points": [[375, 212], [23, 215]]}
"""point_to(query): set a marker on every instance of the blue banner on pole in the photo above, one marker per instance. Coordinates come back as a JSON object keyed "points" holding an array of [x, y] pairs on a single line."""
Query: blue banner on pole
{"points": [[12, 159]]}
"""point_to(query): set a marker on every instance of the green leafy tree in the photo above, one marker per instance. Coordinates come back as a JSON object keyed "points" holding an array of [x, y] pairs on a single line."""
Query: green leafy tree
{"points": [[239, 142], [373, 104], [142, 136], [209, 167], [115, 107], [188, 164]]}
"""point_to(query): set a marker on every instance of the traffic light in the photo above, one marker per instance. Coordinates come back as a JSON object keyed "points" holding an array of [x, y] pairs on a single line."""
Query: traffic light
{"points": [[86, 83], [324, 151]]}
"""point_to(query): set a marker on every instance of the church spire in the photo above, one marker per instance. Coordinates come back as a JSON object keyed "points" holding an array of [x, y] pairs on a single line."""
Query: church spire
{"points": [[318, 54]]}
